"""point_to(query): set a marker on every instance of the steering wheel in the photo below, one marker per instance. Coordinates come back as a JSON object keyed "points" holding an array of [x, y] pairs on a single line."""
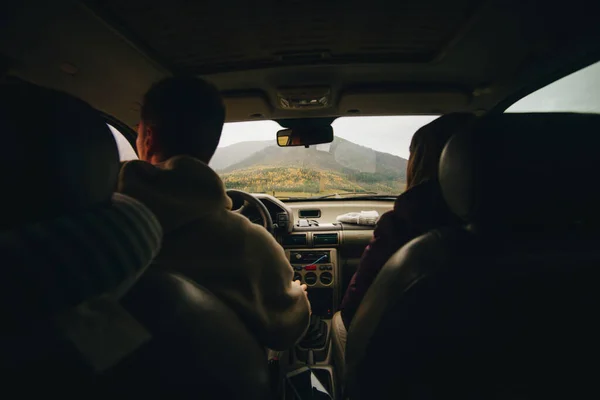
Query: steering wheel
{"points": [[251, 201]]}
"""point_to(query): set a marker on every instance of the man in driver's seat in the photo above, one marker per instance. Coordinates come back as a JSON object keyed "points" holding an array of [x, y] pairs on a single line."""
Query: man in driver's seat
{"points": [[240, 262]]}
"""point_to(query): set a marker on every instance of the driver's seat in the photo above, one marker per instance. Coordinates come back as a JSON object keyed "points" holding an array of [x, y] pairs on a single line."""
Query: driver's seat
{"points": [[78, 320], [507, 306]]}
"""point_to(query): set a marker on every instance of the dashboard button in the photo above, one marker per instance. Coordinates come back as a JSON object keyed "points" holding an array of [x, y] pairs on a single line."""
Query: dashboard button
{"points": [[297, 267], [311, 267], [323, 267], [326, 278], [310, 278]]}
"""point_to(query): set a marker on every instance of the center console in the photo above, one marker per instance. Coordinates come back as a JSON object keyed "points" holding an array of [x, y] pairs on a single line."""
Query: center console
{"points": [[318, 269], [312, 354]]}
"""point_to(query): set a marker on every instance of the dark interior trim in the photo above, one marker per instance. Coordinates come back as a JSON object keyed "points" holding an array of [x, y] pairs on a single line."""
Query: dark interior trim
{"points": [[117, 26]]}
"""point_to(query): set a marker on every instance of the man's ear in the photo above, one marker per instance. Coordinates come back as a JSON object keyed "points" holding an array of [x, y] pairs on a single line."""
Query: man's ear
{"points": [[150, 142]]}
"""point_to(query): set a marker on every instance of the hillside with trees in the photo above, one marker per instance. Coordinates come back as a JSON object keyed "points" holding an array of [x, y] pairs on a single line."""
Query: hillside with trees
{"points": [[340, 166]]}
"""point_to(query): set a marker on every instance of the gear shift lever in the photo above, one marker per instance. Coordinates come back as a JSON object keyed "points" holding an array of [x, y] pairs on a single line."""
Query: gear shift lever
{"points": [[316, 335]]}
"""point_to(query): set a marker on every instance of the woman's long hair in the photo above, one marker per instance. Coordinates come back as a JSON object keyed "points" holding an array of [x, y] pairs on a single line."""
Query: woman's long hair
{"points": [[427, 144]]}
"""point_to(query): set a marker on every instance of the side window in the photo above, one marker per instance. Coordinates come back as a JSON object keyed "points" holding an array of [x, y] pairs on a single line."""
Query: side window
{"points": [[578, 92], [126, 151]]}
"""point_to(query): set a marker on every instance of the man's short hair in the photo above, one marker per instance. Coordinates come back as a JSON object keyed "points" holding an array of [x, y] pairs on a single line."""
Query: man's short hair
{"points": [[186, 116]]}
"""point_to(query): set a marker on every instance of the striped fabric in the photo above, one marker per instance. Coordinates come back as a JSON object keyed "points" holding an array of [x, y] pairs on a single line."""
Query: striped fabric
{"points": [[54, 265]]}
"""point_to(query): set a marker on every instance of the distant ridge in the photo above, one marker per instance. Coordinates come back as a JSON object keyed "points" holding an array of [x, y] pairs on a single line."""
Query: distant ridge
{"points": [[341, 165]]}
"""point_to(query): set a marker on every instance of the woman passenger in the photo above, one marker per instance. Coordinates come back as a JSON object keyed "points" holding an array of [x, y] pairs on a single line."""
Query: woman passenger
{"points": [[418, 210]]}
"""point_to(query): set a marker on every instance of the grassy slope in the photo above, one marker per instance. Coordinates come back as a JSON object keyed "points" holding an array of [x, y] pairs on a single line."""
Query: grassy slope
{"points": [[311, 181]]}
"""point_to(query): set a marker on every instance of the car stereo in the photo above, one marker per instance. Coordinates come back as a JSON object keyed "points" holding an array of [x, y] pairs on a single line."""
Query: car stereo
{"points": [[310, 257]]}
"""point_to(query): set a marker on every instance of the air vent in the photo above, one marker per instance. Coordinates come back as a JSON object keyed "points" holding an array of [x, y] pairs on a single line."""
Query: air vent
{"points": [[294, 240], [330, 239], [309, 213]]}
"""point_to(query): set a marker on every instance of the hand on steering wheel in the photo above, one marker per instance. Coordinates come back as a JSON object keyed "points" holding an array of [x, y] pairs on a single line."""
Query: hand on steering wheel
{"points": [[251, 201]]}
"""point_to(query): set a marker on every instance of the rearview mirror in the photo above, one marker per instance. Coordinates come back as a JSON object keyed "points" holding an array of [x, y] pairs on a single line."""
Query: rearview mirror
{"points": [[305, 136]]}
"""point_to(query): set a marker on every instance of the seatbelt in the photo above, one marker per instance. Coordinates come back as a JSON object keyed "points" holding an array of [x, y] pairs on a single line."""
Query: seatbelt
{"points": [[102, 331]]}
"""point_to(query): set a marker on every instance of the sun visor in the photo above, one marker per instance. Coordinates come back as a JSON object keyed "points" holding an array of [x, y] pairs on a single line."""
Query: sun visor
{"points": [[394, 103], [246, 107]]}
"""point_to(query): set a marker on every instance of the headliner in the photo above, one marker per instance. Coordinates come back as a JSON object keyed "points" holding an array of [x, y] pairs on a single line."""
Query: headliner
{"points": [[378, 57]]}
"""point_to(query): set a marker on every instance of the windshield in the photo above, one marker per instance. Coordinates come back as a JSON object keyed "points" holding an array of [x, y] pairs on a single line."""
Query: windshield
{"points": [[368, 156]]}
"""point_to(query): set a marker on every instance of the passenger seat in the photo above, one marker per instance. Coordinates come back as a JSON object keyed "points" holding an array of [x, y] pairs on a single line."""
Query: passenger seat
{"points": [[505, 307]]}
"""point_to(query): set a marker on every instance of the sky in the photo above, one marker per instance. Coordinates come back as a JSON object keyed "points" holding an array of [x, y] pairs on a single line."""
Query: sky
{"points": [[387, 134], [578, 92], [126, 152]]}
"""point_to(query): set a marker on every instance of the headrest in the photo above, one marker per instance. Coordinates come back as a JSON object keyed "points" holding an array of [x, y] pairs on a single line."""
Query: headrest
{"points": [[65, 236], [59, 263], [526, 171], [59, 155]]}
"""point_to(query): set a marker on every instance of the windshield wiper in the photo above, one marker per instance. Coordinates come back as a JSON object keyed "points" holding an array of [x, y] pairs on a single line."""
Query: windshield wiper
{"points": [[373, 197], [291, 198], [338, 195]]}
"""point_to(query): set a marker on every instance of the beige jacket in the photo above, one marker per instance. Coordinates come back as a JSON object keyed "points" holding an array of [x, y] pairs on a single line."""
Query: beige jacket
{"points": [[238, 261]]}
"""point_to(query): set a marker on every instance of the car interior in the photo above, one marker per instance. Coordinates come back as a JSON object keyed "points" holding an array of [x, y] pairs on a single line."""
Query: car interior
{"points": [[500, 307]]}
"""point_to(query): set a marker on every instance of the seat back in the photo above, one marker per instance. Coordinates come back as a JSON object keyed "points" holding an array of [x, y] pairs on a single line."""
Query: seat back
{"points": [[199, 347], [70, 247], [82, 316], [504, 306]]}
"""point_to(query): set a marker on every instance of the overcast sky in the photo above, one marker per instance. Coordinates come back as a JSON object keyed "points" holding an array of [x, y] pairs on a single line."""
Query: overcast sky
{"points": [[387, 134], [579, 92]]}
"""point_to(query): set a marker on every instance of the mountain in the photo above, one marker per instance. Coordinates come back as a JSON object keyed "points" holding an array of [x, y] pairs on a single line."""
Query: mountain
{"points": [[338, 166], [339, 155], [364, 159], [289, 157], [226, 156]]}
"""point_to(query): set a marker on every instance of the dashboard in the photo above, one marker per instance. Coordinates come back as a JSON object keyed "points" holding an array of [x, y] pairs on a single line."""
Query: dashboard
{"points": [[323, 252]]}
